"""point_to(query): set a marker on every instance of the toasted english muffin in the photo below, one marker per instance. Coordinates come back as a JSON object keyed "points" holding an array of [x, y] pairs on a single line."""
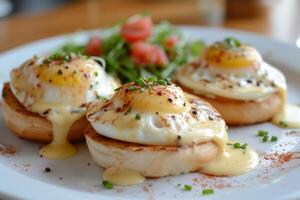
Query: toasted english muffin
{"points": [[149, 160], [31, 126], [237, 112]]}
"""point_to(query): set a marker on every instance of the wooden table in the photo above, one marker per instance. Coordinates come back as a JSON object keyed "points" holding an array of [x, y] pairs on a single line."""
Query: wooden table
{"points": [[281, 20]]}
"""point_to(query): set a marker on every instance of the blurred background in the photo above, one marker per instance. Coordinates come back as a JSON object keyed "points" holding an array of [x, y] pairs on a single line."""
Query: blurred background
{"points": [[23, 21]]}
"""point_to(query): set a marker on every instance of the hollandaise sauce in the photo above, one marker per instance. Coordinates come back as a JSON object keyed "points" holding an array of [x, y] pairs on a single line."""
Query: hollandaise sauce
{"points": [[289, 117], [289, 114], [232, 161], [61, 119], [122, 176], [60, 148]]}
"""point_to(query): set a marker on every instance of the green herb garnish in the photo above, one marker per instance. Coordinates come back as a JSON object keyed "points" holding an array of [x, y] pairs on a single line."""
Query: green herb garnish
{"points": [[187, 187], [244, 146], [95, 74], [274, 139], [207, 191], [101, 98], [117, 89], [58, 56], [236, 145], [132, 88], [108, 185], [137, 117], [141, 82], [4, 94], [265, 138], [197, 47], [283, 124], [152, 79], [231, 43], [262, 133]]}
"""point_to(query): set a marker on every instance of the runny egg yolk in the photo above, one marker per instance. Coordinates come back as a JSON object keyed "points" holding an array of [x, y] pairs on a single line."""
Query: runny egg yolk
{"points": [[153, 98], [59, 75], [232, 58]]}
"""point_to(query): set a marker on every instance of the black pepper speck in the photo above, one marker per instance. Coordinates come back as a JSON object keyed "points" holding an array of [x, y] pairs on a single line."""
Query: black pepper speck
{"points": [[47, 169], [59, 72]]}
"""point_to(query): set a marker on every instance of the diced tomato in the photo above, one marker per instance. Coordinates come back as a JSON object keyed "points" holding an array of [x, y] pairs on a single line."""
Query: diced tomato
{"points": [[93, 48], [148, 54], [171, 41], [137, 28]]}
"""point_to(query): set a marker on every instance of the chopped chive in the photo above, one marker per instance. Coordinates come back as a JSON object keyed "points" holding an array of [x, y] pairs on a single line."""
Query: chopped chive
{"points": [[162, 82], [187, 187], [231, 42], [108, 185], [132, 88], [141, 82], [152, 79], [236, 145], [274, 139], [95, 74], [4, 94], [283, 124], [265, 138], [137, 117], [101, 98], [207, 191], [117, 89], [244, 146], [262, 133]]}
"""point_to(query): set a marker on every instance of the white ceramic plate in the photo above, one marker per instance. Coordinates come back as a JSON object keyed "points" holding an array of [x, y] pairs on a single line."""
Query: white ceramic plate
{"points": [[22, 175]]}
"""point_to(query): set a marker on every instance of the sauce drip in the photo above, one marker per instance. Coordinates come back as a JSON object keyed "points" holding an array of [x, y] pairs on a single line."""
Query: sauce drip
{"points": [[60, 148], [62, 119], [232, 162], [122, 176], [289, 117]]}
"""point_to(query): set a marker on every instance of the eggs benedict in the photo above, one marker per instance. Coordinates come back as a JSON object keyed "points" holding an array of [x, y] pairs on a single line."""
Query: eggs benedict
{"points": [[47, 97], [151, 128], [235, 79]]}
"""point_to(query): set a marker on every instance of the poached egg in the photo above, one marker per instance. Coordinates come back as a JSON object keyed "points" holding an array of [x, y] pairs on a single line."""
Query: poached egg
{"points": [[59, 87], [232, 70]]}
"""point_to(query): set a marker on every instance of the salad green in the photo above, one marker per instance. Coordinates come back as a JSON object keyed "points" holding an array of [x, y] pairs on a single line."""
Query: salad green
{"points": [[117, 52]]}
